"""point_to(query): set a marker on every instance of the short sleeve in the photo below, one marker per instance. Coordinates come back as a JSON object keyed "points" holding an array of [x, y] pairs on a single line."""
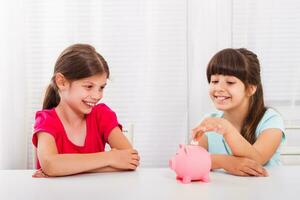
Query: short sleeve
{"points": [[271, 119], [45, 121], [107, 120]]}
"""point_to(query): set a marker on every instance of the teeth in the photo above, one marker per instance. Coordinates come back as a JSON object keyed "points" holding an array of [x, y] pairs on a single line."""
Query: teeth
{"points": [[90, 104], [221, 98]]}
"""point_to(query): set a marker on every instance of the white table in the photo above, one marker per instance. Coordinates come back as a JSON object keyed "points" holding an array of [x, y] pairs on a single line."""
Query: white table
{"points": [[150, 183]]}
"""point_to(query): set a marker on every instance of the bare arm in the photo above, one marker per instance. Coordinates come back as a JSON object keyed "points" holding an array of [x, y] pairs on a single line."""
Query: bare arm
{"points": [[54, 164], [261, 151], [239, 166], [232, 164], [117, 140]]}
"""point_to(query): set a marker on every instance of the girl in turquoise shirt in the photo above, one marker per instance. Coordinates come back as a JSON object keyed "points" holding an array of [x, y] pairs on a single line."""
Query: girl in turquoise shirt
{"points": [[243, 135]]}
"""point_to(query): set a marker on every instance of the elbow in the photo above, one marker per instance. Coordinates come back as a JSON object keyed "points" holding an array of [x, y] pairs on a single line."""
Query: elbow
{"points": [[263, 162], [48, 167], [261, 159]]}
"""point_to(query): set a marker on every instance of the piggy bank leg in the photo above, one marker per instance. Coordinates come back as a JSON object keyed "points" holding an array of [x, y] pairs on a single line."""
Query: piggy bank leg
{"points": [[205, 178], [186, 179]]}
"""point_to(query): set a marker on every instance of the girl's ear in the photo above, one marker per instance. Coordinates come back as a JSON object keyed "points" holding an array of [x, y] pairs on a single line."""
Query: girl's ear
{"points": [[251, 89], [61, 82]]}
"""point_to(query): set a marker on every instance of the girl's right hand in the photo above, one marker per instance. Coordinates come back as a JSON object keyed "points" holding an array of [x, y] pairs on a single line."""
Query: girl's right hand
{"points": [[241, 166], [127, 159]]}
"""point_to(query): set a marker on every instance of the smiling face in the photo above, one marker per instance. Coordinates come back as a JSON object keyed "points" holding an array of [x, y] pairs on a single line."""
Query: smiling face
{"points": [[228, 92], [83, 94]]}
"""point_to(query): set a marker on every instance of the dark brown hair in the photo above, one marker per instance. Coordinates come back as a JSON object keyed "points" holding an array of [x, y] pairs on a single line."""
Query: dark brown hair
{"points": [[244, 65], [75, 62]]}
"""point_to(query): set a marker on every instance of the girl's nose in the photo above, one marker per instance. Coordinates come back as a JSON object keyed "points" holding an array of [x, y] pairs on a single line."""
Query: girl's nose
{"points": [[220, 86], [97, 95]]}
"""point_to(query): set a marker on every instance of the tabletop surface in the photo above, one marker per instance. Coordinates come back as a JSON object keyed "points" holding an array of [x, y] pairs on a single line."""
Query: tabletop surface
{"points": [[150, 183]]}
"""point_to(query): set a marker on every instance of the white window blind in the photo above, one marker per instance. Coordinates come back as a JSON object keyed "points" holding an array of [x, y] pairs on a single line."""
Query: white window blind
{"points": [[272, 30], [144, 43]]}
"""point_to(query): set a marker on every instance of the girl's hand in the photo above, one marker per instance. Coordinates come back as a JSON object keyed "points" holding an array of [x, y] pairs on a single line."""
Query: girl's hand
{"points": [[219, 125], [127, 159], [39, 174], [241, 166]]}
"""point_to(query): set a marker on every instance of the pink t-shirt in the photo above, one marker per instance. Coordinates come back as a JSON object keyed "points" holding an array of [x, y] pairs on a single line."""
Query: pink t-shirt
{"points": [[99, 123]]}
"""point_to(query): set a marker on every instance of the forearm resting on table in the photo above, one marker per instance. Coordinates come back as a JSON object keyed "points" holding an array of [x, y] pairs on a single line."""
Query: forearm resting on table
{"points": [[242, 148], [68, 164], [106, 169], [218, 160]]}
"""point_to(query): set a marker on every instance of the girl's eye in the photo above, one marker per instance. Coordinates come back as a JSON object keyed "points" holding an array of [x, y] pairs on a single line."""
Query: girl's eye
{"points": [[102, 88], [214, 82], [88, 86], [230, 82]]}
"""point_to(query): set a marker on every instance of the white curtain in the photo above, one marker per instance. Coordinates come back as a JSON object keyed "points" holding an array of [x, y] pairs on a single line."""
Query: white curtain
{"points": [[144, 43], [271, 28], [13, 136], [209, 30]]}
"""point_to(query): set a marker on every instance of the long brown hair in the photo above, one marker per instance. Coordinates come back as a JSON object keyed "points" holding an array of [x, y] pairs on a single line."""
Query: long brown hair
{"points": [[75, 62], [244, 65]]}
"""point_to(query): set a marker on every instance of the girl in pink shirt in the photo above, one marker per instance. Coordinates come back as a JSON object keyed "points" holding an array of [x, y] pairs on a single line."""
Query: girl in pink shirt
{"points": [[71, 131]]}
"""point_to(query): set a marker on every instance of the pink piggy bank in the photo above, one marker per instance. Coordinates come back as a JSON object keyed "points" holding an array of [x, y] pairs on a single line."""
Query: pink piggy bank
{"points": [[191, 163]]}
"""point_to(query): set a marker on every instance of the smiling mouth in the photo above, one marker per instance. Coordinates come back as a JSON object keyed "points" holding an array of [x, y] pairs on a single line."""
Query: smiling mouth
{"points": [[90, 104], [221, 98]]}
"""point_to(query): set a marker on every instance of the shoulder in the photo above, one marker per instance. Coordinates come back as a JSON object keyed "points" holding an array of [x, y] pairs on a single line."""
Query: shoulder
{"points": [[46, 121], [101, 112], [271, 119], [45, 116], [105, 118]]}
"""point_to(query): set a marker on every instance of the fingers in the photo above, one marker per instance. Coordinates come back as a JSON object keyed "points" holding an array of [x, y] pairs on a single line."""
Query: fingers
{"points": [[252, 168], [133, 151], [251, 172], [127, 159], [135, 163], [136, 157], [239, 173], [135, 160], [254, 172], [265, 172], [197, 133], [204, 127], [241, 166], [39, 174], [259, 169]]}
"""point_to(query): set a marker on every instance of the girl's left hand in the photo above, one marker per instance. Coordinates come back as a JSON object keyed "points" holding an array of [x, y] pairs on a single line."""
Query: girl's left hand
{"points": [[219, 125]]}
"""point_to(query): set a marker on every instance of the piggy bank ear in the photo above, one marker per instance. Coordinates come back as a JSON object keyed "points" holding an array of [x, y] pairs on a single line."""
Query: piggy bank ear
{"points": [[186, 151], [181, 146]]}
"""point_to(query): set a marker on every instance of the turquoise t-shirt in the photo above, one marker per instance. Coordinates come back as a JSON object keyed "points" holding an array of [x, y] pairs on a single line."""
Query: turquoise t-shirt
{"points": [[271, 119]]}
